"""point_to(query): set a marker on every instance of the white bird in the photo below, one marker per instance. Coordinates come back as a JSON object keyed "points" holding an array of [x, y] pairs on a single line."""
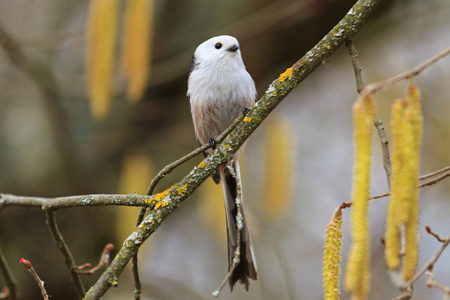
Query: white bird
{"points": [[220, 89]]}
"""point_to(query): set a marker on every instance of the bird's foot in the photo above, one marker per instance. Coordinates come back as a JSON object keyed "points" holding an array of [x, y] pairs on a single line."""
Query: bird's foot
{"points": [[212, 142]]}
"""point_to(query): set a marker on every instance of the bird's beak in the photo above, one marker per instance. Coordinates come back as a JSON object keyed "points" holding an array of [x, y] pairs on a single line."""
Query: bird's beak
{"points": [[233, 48]]}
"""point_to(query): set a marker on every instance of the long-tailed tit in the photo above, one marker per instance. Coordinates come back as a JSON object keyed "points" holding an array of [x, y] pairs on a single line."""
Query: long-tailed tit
{"points": [[219, 89]]}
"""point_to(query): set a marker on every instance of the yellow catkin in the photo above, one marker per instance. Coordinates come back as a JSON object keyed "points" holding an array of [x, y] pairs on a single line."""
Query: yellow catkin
{"points": [[279, 149], [211, 209], [332, 257], [136, 172], [100, 54], [411, 257], [357, 270], [137, 38], [392, 237], [413, 116]]}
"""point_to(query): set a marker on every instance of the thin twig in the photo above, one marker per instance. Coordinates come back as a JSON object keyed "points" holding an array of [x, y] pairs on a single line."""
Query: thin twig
{"points": [[426, 176], [356, 66], [104, 260], [378, 124], [40, 283], [431, 282], [384, 148], [7, 275], [431, 262], [239, 225], [422, 185], [426, 269], [374, 87], [64, 249], [430, 231]]}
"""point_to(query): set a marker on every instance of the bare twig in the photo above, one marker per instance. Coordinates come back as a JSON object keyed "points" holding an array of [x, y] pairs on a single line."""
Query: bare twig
{"points": [[356, 66], [426, 176], [137, 280], [422, 185], [239, 219], [427, 269], [431, 262], [430, 231], [11, 288], [64, 249], [30, 269], [384, 148], [378, 124], [104, 260], [374, 87], [431, 282]]}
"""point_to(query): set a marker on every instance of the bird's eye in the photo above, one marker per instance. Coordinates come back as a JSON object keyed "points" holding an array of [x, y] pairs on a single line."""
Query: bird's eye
{"points": [[218, 45]]}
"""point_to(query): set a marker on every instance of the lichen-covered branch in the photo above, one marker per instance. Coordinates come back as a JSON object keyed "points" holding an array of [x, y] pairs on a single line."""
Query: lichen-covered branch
{"points": [[276, 92], [73, 201]]}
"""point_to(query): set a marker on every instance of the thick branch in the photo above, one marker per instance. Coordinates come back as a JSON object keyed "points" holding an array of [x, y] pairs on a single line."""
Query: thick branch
{"points": [[276, 92]]}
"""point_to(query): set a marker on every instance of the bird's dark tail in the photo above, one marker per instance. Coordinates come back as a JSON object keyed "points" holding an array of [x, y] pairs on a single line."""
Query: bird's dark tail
{"points": [[247, 265]]}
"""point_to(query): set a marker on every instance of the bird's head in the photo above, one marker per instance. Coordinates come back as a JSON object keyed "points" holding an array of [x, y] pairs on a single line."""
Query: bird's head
{"points": [[223, 49]]}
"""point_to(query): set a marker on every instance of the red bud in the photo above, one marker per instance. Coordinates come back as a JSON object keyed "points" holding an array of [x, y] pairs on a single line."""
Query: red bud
{"points": [[26, 263], [109, 247]]}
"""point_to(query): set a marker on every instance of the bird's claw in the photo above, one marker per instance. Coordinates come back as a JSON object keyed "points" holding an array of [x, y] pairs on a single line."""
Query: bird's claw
{"points": [[212, 142]]}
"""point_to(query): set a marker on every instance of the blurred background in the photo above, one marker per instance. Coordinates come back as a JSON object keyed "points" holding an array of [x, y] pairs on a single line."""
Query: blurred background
{"points": [[297, 166]]}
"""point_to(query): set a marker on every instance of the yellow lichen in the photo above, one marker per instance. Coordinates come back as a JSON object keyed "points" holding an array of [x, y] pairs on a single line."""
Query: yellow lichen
{"points": [[157, 205], [201, 165], [357, 270], [286, 75], [182, 189]]}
